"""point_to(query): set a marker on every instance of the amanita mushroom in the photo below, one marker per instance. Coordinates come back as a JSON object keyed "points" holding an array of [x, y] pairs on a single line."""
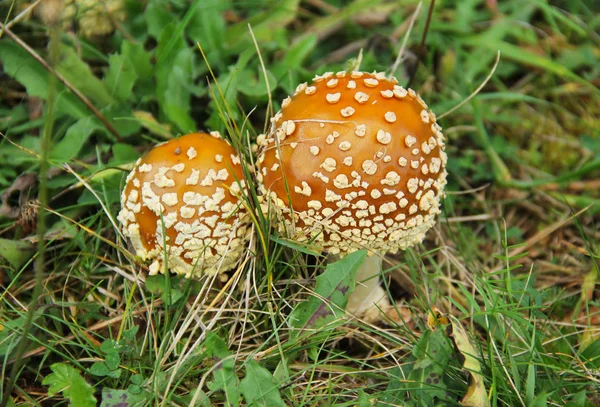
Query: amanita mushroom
{"points": [[355, 161], [188, 187]]}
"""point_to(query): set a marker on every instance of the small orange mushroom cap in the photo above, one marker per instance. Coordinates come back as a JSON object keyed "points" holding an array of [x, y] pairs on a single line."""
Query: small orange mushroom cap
{"points": [[354, 161], [189, 188]]}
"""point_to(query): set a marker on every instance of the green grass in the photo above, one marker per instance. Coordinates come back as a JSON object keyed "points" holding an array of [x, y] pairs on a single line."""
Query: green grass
{"points": [[500, 305]]}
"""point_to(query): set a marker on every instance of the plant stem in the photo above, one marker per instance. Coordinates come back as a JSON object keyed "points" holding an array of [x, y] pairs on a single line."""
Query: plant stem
{"points": [[41, 224]]}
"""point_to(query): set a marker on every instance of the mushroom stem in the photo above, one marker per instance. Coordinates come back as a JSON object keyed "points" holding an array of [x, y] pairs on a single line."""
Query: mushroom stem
{"points": [[368, 296]]}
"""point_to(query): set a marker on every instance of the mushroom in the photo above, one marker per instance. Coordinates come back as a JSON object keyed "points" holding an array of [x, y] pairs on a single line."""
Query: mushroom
{"points": [[354, 161], [181, 205]]}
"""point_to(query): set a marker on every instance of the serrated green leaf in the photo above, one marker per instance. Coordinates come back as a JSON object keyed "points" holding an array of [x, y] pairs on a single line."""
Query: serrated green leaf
{"points": [[139, 59], [16, 252], [79, 74], [224, 375], [68, 381], [21, 66], [18, 64], [334, 286], [75, 138], [120, 77], [259, 387]]}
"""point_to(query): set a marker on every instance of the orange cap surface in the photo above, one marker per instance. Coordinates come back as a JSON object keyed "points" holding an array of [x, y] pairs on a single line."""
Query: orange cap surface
{"points": [[189, 187], [358, 160]]}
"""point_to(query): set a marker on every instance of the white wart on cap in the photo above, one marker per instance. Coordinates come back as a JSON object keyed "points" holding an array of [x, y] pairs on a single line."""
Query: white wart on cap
{"points": [[363, 160], [189, 188]]}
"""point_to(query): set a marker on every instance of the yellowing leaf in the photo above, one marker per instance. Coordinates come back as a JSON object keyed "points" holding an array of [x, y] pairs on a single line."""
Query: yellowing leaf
{"points": [[151, 124], [476, 394], [435, 317]]}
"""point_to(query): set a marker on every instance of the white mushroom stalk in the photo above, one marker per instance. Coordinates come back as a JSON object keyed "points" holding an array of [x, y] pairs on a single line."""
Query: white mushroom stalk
{"points": [[352, 161], [368, 297]]}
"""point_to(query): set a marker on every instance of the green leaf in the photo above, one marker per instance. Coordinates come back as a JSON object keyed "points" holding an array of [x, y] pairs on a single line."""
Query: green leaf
{"points": [[139, 59], [137, 379], [334, 286], [157, 16], [9, 118], [99, 369], [174, 78], [208, 27], [264, 25], [253, 83], [541, 400], [426, 378], [224, 375], [121, 398], [112, 360], [159, 285], [16, 252], [363, 399], [9, 334], [120, 77], [21, 66], [110, 346], [259, 387], [75, 138], [123, 154], [68, 381], [294, 245], [579, 399], [287, 70], [591, 354], [122, 118], [520, 55], [79, 74]]}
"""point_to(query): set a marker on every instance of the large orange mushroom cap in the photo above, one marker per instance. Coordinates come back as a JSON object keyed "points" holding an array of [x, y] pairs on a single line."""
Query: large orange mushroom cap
{"points": [[189, 188], [354, 161]]}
